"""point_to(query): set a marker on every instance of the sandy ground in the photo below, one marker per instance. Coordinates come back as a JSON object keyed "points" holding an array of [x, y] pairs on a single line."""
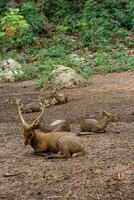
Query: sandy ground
{"points": [[106, 172]]}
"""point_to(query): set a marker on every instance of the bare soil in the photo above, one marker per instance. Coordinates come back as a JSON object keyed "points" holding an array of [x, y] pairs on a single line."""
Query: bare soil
{"points": [[106, 172]]}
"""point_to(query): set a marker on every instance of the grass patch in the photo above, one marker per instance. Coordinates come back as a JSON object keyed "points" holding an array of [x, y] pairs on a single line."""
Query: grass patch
{"points": [[107, 59], [116, 60]]}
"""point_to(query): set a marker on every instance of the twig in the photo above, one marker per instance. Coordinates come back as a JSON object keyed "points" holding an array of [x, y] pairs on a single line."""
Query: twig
{"points": [[10, 175], [54, 197]]}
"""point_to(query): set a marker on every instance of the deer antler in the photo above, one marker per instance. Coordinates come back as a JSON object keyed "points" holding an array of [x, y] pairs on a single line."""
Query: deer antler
{"points": [[39, 118], [19, 106]]}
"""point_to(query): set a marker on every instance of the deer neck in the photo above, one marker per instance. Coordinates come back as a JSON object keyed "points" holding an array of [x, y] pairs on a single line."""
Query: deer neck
{"points": [[35, 139], [56, 96], [103, 123]]}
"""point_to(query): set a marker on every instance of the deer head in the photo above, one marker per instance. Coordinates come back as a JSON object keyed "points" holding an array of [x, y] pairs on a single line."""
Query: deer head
{"points": [[53, 93], [29, 129], [110, 117]]}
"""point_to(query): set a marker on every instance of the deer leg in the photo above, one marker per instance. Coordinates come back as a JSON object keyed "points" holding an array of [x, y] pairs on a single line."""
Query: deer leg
{"points": [[27, 111], [61, 154], [43, 154], [54, 101], [40, 152], [81, 153], [100, 131]]}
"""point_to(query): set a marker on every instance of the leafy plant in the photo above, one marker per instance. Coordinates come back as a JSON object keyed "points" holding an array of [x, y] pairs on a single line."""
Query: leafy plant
{"points": [[14, 30], [31, 12], [114, 61], [101, 20], [13, 23], [3, 6]]}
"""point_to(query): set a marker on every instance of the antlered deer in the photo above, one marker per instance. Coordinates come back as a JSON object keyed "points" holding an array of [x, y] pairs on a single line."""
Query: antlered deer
{"points": [[63, 144]]}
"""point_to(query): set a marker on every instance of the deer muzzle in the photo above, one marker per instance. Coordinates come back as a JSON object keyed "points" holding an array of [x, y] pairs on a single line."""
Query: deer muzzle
{"points": [[26, 142]]}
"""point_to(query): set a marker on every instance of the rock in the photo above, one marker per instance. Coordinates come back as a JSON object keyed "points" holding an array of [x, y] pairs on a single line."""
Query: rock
{"points": [[9, 69], [66, 77], [68, 195], [76, 57], [89, 57]]}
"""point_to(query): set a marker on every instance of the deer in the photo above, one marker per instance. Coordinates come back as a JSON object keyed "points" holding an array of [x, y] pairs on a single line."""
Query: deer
{"points": [[57, 125], [92, 125], [34, 106], [60, 144], [58, 98]]}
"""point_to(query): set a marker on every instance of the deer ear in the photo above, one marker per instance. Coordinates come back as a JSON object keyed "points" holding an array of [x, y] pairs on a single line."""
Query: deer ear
{"points": [[35, 126], [105, 113]]}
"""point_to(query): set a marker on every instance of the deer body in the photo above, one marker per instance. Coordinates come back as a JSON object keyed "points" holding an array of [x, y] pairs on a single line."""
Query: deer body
{"points": [[92, 125], [56, 142], [60, 125], [34, 106], [31, 107], [56, 126]]}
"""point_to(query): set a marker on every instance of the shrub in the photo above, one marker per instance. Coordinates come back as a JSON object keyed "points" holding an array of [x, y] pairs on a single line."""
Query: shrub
{"points": [[101, 20], [36, 19], [13, 23], [3, 6], [14, 29]]}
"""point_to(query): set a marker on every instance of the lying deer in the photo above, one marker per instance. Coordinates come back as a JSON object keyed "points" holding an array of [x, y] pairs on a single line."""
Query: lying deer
{"points": [[92, 125], [64, 144], [56, 126], [34, 106], [58, 98]]}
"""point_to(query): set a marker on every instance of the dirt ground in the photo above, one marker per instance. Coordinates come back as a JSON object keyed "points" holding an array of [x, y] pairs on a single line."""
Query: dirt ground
{"points": [[106, 172]]}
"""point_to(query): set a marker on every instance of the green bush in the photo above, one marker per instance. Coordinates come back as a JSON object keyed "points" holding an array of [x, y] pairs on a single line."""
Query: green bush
{"points": [[13, 23], [13, 29], [101, 20], [115, 60], [3, 6], [36, 19]]}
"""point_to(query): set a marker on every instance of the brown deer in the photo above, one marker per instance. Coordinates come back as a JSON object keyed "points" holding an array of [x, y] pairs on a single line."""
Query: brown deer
{"points": [[34, 106], [58, 98], [60, 144], [56, 126], [92, 125]]}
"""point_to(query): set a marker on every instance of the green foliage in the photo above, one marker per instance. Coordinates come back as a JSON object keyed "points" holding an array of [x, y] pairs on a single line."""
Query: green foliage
{"points": [[41, 71], [82, 67], [64, 13], [130, 14], [115, 60], [51, 31], [97, 21], [20, 27], [14, 29], [14, 23], [31, 12], [3, 6], [101, 20], [59, 45]]}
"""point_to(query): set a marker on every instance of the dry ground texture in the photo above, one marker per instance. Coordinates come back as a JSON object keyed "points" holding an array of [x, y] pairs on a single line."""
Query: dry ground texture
{"points": [[106, 172]]}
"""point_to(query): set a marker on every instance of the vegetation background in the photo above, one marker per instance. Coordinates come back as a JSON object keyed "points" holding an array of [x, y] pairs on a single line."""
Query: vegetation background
{"points": [[89, 36]]}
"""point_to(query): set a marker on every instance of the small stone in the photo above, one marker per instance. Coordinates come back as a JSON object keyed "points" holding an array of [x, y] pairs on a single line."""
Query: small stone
{"points": [[38, 193], [118, 132]]}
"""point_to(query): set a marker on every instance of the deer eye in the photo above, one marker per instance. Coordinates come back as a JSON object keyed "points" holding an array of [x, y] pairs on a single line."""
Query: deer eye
{"points": [[29, 136]]}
